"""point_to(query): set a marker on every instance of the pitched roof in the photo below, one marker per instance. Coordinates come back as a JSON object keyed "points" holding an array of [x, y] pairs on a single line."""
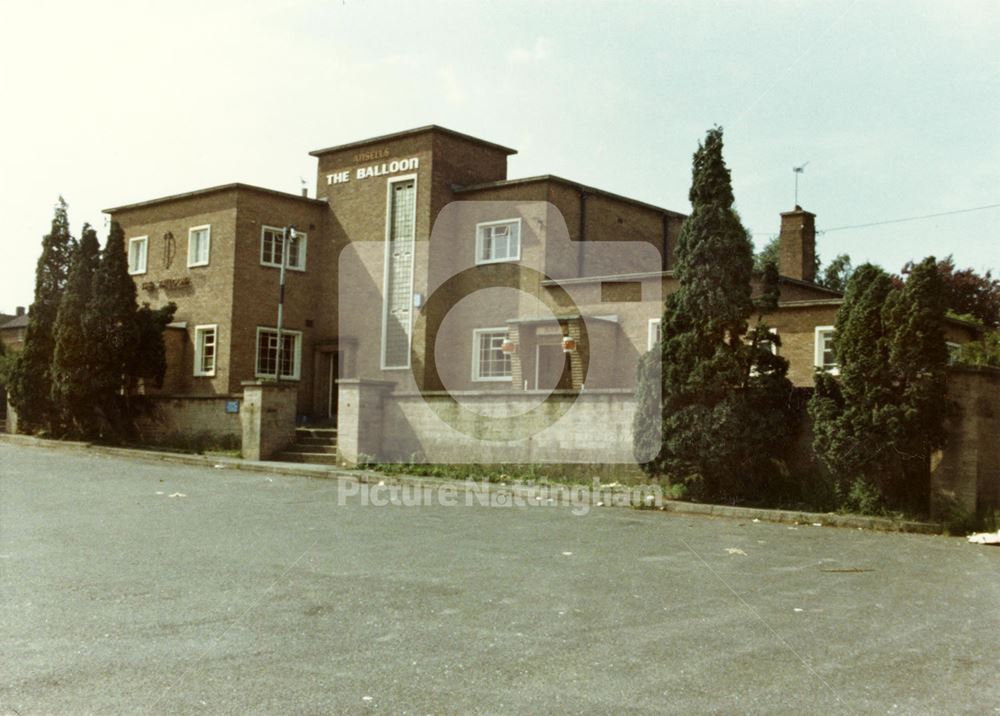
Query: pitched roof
{"points": [[16, 322]]}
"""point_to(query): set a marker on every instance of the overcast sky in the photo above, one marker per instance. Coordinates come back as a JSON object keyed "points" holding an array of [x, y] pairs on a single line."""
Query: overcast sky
{"points": [[895, 105]]}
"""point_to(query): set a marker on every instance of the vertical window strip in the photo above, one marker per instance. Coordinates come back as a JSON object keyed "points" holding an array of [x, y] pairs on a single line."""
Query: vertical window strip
{"points": [[398, 298]]}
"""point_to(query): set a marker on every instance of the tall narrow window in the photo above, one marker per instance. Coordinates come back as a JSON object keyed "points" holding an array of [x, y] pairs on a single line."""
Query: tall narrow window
{"points": [[267, 353], [826, 356], [397, 308], [653, 334], [199, 245], [204, 350], [137, 250], [489, 362]]}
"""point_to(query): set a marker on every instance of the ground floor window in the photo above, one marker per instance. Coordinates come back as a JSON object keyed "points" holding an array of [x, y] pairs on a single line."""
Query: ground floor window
{"points": [[826, 356], [204, 350], [267, 353], [489, 362]]}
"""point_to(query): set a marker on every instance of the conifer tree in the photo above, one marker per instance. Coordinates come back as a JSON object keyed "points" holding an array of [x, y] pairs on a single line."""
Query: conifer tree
{"points": [[918, 359], [850, 410], [149, 361], [878, 420], [724, 414], [31, 373], [72, 370], [110, 327]]}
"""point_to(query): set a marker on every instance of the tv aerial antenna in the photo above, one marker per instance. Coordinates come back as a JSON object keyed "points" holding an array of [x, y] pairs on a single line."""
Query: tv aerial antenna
{"points": [[801, 169]]}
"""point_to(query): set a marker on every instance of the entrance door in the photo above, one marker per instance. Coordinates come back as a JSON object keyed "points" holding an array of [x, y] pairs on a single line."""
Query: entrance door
{"points": [[552, 368], [333, 368]]}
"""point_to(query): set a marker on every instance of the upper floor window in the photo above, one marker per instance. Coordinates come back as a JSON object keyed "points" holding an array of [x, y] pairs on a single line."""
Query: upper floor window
{"points": [[268, 357], [826, 355], [489, 362], [498, 241], [204, 350], [199, 245], [954, 352], [271, 248], [137, 251]]}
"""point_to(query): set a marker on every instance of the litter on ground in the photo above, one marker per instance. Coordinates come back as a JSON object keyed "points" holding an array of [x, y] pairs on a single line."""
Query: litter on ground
{"points": [[985, 538]]}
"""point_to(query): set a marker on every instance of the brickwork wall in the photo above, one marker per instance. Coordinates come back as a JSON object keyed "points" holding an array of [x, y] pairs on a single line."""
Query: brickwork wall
{"points": [[190, 416], [967, 472]]}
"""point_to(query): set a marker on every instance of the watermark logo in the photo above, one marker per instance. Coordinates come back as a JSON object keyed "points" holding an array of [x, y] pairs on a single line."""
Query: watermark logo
{"points": [[581, 499], [496, 338]]}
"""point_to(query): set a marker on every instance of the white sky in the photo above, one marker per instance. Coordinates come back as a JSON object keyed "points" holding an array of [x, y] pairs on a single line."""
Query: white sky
{"points": [[895, 105]]}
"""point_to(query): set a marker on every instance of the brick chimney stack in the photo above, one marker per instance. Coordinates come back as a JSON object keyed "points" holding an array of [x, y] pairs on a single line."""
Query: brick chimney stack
{"points": [[20, 310], [797, 245]]}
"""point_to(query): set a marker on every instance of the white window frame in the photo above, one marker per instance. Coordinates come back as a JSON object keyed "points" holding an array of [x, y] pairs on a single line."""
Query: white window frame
{"points": [[192, 262], [774, 346], [199, 332], [477, 334], [144, 240], [818, 350], [954, 351], [301, 237], [385, 270], [652, 329], [479, 241], [296, 363]]}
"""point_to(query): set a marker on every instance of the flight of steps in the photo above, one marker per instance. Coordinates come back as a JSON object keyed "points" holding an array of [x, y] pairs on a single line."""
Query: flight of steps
{"points": [[317, 446]]}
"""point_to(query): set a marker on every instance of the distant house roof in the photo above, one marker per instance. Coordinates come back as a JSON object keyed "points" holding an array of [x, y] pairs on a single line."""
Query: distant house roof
{"points": [[4, 317], [15, 322]]}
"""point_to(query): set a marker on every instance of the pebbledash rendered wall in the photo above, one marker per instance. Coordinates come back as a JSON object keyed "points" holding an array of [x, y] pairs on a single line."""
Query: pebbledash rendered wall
{"points": [[591, 427]]}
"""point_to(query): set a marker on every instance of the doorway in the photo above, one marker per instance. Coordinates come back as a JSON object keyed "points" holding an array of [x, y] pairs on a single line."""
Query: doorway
{"points": [[552, 368]]}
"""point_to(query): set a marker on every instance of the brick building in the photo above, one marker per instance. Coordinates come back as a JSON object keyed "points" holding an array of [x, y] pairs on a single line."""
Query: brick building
{"points": [[421, 268]]}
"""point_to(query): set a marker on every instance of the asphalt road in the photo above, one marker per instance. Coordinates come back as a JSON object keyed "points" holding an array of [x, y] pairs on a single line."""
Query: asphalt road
{"points": [[137, 587]]}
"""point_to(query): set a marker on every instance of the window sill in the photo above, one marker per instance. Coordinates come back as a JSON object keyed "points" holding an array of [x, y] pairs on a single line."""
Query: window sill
{"points": [[512, 260]]}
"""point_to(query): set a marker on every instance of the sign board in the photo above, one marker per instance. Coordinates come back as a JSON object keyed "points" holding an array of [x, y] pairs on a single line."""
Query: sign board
{"points": [[233, 406]]}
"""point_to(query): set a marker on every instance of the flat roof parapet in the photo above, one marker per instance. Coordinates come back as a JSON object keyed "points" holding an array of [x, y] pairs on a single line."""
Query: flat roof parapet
{"points": [[411, 132]]}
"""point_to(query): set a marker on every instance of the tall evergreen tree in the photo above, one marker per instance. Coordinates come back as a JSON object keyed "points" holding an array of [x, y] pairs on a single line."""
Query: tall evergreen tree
{"points": [[724, 413], [72, 371], [148, 363], [110, 327], [880, 418], [918, 359], [850, 410], [31, 374]]}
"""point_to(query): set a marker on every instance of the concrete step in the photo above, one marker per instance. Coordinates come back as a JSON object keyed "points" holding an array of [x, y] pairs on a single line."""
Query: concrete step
{"points": [[307, 449], [316, 432], [300, 440], [313, 458]]}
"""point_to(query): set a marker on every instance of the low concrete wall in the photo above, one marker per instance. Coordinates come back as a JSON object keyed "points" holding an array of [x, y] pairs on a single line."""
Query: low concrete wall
{"points": [[966, 474], [189, 415], [493, 427]]}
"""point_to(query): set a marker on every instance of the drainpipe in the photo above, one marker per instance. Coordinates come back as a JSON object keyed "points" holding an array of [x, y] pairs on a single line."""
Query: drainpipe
{"points": [[664, 259]]}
